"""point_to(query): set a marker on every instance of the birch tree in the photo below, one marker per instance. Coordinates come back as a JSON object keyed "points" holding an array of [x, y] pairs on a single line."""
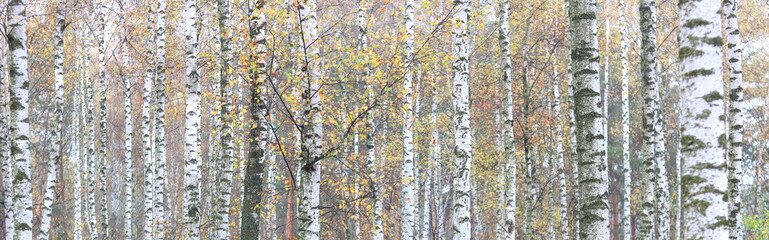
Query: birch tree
{"points": [[559, 159], [192, 222], [704, 179], [590, 139], [461, 219], [652, 124], [508, 136], [735, 118], [19, 120], [408, 197], [76, 156], [102, 155], [91, 161], [5, 142], [159, 182], [253, 180], [56, 132], [627, 187], [309, 174], [224, 181], [128, 126], [147, 129]]}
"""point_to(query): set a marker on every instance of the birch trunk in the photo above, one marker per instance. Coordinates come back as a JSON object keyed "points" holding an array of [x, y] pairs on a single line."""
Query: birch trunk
{"points": [[102, 155], [508, 137], [20, 130], [591, 139], [559, 159], [77, 157], [90, 162], [5, 143], [147, 132], [253, 180], [128, 153], [627, 232], [461, 219], [309, 194], [159, 182], [377, 231], [703, 136], [191, 202], [224, 181], [56, 133], [408, 197], [735, 118], [652, 128]]}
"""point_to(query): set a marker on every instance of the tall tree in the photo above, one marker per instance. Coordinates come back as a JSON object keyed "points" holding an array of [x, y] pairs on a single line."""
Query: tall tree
{"points": [[102, 156], [253, 180], [408, 197], [148, 130], [128, 126], [590, 136], [309, 174], [627, 232], [653, 145], [76, 156], [5, 142], [192, 125], [56, 131], [735, 117], [159, 183], [461, 219], [704, 179], [508, 136], [19, 103], [224, 164], [559, 159]]}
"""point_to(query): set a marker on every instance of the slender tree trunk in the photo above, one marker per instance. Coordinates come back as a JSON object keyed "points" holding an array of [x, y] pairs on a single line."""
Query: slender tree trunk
{"points": [[591, 138], [224, 162], [559, 159], [408, 197], [147, 132], [128, 152], [703, 136], [76, 156], [735, 118], [626, 179], [508, 136], [103, 218], [652, 128], [253, 181], [5, 143], [20, 129], [191, 202], [56, 131], [309, 194], [461, 219], [160, 123], [90, 161]]}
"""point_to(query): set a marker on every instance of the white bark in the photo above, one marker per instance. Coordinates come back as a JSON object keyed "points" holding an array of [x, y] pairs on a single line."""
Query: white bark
{"points": [[77, 157], [147, 132], [5, 141], [309, 194], [20, 130], [159, 182], [56, 131], [508, 137], [90, 161], [224, 164], [703, 136], [559, 160], [461, 219], [627, 187], [593, 177], [408, 197], [735, 117], [128, 151], [102, 155], [191, 204]]}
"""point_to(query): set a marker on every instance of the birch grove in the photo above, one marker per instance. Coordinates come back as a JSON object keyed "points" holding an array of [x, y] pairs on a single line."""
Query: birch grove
{"points": [[374, 119]]}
